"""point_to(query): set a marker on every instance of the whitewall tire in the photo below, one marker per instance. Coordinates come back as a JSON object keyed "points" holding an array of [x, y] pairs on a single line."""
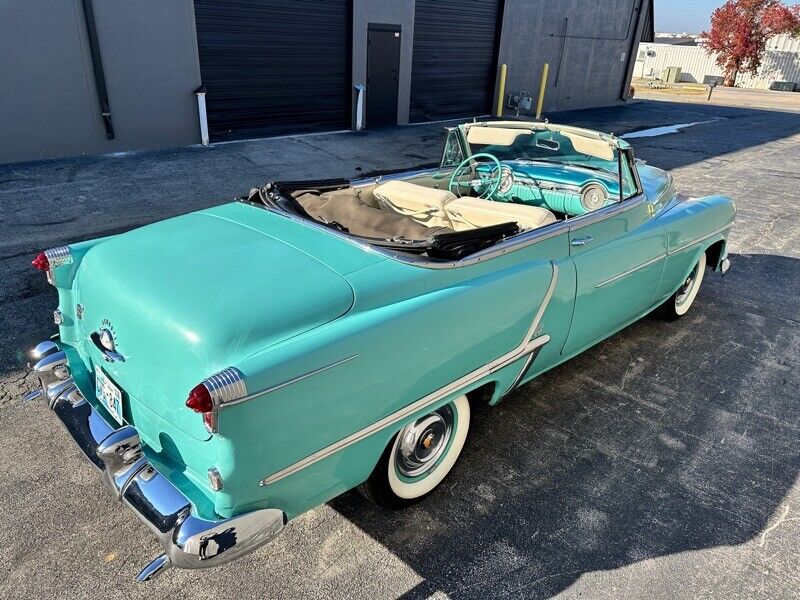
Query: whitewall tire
{"points": [[420, 456], [681, 301]]}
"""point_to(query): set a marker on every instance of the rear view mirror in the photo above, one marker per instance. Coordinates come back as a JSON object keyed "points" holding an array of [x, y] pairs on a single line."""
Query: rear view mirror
{"points": [[549, 144]]}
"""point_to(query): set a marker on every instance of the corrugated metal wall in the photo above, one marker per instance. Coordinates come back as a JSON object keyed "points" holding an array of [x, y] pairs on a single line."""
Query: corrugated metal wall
{"points": [[781, 63]]}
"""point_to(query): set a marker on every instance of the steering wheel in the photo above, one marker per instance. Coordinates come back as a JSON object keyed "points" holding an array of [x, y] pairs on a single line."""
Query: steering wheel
{"points": [[489, 182]]}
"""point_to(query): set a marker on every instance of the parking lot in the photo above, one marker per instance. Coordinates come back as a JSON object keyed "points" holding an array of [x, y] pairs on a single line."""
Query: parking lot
{"points": [[661, 463]]}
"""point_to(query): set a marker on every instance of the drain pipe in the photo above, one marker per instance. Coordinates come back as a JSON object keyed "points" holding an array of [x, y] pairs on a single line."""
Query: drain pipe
{"points": [[97, 64], [360, 88], [201, 113]]}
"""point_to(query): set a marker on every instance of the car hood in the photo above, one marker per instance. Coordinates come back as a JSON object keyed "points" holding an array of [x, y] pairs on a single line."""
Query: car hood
{"points": [[187, 297]]}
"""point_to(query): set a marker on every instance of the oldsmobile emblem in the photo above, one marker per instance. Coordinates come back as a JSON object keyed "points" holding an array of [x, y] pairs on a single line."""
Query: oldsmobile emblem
{"points": [[107, 336]]}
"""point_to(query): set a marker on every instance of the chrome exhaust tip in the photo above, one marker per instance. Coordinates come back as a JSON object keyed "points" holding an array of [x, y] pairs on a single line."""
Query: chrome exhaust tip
{"points": [[156, 567]]}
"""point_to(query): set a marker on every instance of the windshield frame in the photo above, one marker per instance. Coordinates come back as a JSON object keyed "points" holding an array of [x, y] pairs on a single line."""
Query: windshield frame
{"points": [[621, 149]]}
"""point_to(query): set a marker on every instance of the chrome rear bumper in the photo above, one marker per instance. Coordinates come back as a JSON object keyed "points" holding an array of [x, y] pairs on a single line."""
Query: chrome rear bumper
{"points": [[190, 542]]}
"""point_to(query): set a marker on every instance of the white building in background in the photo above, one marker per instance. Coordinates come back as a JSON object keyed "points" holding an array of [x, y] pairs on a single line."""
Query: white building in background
{"points": [[781, 63]]}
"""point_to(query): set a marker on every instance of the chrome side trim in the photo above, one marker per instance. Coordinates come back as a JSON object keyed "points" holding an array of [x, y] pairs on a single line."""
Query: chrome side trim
{"points": [[647, 263], [525, 366], [698, 240], [528, 345], [283, 384]]}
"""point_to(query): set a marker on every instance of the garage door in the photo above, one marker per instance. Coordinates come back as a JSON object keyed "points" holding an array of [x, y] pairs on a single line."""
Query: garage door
{"points": [[275, 66], [455, 58]]}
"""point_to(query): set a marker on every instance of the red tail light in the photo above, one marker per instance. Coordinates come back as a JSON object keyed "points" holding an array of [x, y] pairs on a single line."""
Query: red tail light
{"points": [[41, 262], [200, 399], [214, 393]]}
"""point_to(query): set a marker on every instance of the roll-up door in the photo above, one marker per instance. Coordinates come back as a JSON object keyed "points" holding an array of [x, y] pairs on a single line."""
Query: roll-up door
{"points": [[455, 58], [275, 66]]}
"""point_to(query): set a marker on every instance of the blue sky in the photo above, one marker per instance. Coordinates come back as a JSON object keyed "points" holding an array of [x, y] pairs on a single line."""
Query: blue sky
{"points": [[684, 15]]}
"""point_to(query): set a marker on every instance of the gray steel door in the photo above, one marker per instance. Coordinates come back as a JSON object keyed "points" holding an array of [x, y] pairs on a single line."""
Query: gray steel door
{"points": [[383, 70]]}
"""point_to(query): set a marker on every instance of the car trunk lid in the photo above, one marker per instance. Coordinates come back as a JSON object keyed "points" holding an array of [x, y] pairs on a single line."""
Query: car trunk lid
{"points": [[187, 297]]}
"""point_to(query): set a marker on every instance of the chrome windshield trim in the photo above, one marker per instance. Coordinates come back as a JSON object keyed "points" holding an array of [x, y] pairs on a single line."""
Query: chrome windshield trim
{"points": [[647, 263], [698, 240], [528, 345], [283, 384]]}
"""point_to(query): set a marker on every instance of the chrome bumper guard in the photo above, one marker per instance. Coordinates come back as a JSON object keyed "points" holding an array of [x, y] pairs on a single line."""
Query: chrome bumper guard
{"points": [[190, 542]]}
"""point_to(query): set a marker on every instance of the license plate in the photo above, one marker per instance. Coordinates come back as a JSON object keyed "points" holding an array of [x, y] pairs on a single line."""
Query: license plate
{"points": [[109, 394]]}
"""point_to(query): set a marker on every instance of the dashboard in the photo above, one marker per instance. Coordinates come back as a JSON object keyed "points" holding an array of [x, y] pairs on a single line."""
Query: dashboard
{"points": [[570, 189]]}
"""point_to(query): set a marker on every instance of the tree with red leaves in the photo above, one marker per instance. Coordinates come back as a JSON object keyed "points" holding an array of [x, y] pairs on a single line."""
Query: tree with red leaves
{"points": [[740, 30]]}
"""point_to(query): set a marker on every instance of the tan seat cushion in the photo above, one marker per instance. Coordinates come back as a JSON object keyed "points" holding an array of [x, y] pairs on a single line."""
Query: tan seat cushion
{"points": [[347, 209], [470, 213], [423, 204], [440, 208]]}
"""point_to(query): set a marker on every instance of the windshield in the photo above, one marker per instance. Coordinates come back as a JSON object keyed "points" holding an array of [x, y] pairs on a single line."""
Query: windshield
{"points": [[546, 145], [552, 146]]}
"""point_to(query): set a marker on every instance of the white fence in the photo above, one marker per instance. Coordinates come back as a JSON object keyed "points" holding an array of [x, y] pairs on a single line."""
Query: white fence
{"points": [[781, 63]]}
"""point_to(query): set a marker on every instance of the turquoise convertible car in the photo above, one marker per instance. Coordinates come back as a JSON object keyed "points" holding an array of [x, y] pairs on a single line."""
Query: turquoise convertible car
{"points": [[229, 369]]}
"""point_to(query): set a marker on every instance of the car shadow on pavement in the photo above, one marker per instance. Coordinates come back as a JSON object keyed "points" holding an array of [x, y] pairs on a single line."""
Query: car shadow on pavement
{"points": [[668, 437]]}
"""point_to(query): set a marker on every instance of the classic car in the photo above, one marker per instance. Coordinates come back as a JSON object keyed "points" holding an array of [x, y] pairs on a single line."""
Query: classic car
{"points": [[228, 369]]}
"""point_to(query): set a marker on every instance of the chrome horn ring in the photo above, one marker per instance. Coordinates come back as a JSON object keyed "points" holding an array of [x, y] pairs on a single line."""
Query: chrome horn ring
{"points": [[421, 444]]}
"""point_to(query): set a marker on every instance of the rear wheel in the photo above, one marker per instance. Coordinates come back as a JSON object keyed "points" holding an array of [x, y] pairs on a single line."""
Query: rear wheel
{"points": [[679, 303], [419, 457]]}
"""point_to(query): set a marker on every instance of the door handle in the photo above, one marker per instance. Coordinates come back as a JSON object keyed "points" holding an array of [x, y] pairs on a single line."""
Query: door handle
{"points": [[581, 241]]}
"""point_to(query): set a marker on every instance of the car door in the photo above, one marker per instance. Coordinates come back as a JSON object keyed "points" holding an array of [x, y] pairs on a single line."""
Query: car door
{"points": [[618, 253]]}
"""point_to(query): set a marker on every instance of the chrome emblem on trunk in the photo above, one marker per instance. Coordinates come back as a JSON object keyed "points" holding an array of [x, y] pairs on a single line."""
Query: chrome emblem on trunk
{"points": [[107, 339]]}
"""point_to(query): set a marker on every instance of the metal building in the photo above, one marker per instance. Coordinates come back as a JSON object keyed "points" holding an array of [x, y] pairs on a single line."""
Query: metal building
{"points": [[780, 63], [85, 77]]}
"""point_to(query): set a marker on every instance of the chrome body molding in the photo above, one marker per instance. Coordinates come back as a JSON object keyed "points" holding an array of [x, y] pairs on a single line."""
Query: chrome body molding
{"points": [[647, 263], [527, 346], [60, 255], [686, 245], [226, 386], [526, 365], [189, 541], [100, 339], [283, 384]]}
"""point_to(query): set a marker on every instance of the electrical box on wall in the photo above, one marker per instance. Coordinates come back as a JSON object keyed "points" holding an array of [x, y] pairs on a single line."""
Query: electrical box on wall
{"points": [[520, 101]]}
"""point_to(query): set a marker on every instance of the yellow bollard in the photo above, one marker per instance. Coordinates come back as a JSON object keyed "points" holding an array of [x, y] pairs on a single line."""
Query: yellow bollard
{"points": [[502, 90], [542, 86]]}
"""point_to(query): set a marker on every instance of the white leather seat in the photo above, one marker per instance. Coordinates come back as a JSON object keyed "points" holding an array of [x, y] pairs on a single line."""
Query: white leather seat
{"points": [[471, 213], [423, 204], [440, 208]]}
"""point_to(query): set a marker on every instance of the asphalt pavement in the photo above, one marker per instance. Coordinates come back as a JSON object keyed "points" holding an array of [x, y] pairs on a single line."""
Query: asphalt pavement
{"points": [[662, 463]]}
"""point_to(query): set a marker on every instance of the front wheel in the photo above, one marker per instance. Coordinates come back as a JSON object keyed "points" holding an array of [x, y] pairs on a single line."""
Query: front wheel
{"points": [[678, 304], [419, 457]]}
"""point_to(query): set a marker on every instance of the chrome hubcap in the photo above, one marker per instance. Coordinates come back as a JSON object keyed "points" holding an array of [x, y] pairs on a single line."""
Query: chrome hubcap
{"points": [[422, 443]]}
